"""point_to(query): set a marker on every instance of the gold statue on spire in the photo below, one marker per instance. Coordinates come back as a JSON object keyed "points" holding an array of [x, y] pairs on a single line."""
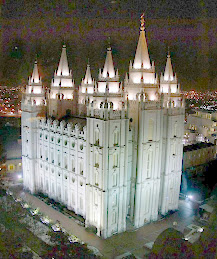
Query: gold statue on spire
{"points": [[142, 20]]}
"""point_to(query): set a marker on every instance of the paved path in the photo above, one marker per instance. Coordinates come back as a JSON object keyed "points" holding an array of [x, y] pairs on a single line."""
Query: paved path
{"points": [[126, 242]]}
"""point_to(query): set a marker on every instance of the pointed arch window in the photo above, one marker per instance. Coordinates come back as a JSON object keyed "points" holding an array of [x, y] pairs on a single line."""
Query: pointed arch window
{"points": [[115, 160], [97, 137], [73, 198], [116, 137], [81, 167], [95, 197], [58, 159], [150, 129], [114, 217], [81, 203], [96, 159], [175, 129], [66, 195], [73, 165], [149, 163], [96, 177]]}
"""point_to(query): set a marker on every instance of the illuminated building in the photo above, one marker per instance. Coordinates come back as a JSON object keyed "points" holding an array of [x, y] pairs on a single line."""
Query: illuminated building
{"points": [[113, 152]]}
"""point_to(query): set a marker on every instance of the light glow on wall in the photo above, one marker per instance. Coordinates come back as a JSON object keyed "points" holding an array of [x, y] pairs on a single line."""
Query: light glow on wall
{"points": [[101, 87], [90, 90], [37, 90], [138, 65]]}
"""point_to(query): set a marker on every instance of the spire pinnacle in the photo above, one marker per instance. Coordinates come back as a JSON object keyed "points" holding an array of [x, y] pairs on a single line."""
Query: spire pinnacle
{"points": [[142, 21], [63, 68]]}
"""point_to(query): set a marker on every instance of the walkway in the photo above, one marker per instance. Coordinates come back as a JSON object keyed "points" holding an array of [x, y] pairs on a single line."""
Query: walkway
{"points": [[132, 242]]}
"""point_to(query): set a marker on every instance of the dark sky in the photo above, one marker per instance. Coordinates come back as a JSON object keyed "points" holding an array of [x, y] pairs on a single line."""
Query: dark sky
{"points": [[153, 8], [188, 27]]}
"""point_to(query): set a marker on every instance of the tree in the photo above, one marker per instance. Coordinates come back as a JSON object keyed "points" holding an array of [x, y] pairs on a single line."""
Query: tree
{"points": [[170, 244]]}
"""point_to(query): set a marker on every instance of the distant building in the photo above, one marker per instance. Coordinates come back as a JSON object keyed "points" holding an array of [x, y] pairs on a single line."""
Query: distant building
{"points": [[198, 154], [110, 151], [201, 127]]}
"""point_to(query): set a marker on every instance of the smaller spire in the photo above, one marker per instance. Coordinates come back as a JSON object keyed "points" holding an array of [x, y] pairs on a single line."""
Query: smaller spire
{"points": [[108, 70], [168, 74], [35, 75], [87, 78]]}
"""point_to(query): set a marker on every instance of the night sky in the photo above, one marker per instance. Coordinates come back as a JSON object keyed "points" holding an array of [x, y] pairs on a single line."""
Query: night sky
{"points": [[30, 27]]}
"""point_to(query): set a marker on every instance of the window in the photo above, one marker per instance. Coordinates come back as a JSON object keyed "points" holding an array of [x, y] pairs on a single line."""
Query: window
{"points": [[116, 137], [97, 137], [73, 144], [114, 217], [96, 158], [46, 154], [73, 199], [149, 163], [150, 129], [81, 147], [65, 162], [52, 157], [81, 203], [114, 200], [115, 160], [65, 142], [114, 179], [81, 167], [96, 177], [175, 129], [73, 165], [95, 198], [66, 195], [58, 159]]}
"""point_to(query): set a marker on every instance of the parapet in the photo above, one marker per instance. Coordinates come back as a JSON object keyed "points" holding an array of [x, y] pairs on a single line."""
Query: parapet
{"points": [[63, 128]]}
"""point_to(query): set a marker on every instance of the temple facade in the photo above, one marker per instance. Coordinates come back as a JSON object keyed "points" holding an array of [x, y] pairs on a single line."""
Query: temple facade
{"points": [[113, 151]]}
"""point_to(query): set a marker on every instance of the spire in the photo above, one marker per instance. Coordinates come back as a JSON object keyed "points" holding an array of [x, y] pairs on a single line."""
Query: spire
{"points": [[142, 57], [108, 70], [63, 68], [87, 78], [168, 74], [35, 76]]}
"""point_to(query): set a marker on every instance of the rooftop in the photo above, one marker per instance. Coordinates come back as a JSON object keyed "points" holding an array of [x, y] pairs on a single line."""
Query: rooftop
{"points": [[197, 146]]}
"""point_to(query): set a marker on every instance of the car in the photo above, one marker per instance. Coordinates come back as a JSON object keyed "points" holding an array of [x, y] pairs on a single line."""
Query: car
{"points": [[45, 220], [56, 227], [73, 239]]}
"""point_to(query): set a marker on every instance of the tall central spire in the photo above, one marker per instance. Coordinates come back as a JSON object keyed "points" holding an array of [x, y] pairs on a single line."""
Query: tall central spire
{"points": [[108, 70], [63, 68], [142, 59]]}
